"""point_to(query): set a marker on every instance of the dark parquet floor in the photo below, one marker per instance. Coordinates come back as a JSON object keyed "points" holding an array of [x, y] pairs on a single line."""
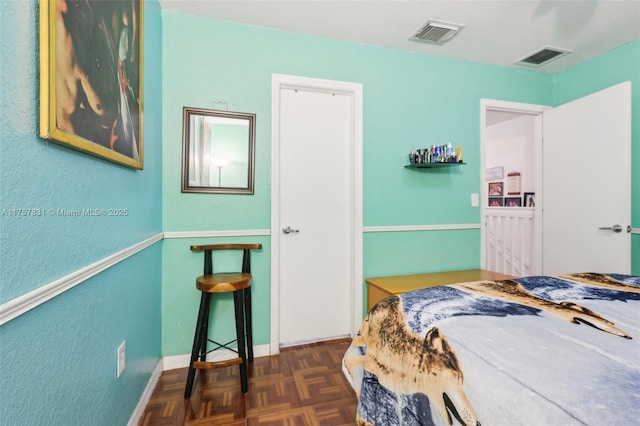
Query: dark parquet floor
{"points": [[302, 386]]}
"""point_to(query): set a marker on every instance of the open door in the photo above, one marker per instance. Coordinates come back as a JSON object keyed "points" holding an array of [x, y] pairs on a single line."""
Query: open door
{"points": [[586, 184]]}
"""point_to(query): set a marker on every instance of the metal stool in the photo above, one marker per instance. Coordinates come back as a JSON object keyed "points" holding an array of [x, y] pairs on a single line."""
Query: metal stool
{"points": [[209, 284]]}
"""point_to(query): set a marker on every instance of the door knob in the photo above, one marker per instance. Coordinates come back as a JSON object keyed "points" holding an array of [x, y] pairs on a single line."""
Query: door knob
{"points": [[288, 230], [615, 228]]}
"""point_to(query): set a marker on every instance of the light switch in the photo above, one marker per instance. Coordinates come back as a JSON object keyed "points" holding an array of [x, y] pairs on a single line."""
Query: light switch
{"points": [[475, 200]]}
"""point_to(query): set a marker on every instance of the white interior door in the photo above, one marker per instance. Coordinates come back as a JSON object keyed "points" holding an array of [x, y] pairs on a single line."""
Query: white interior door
{"points": [[316, 248], [587, 184]]}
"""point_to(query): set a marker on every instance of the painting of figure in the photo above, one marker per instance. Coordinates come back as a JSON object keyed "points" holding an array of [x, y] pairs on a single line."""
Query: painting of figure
{"points": [[90, 85]]}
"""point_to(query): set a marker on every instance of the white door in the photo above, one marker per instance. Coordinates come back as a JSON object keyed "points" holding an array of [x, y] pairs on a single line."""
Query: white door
{"points": [[314, 219], [587, 184]]}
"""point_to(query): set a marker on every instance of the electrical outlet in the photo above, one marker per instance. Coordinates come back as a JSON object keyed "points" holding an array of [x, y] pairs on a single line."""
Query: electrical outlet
{"points": [[120, 358]]}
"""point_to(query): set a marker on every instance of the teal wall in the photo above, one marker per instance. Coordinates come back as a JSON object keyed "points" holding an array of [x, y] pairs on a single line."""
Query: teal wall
{"points": [[622, 64], [61, 355], [410, 100], [58, 360]]}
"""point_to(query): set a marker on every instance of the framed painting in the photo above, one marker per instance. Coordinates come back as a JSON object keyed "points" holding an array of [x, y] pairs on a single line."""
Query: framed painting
{"points": [[513, 202], [513, 183], [91, 77], [494, 173], [529, 199], [496, 189], [496, 201]]}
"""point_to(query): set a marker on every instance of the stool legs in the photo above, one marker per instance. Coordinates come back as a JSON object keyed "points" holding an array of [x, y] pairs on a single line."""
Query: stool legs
{"points": [[198, 339], [205, 329], [199, 349], [248, 323], [239, 302]]}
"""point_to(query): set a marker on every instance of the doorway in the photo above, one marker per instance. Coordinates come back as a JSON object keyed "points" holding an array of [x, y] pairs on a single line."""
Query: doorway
{"points": [[582, 210], [316, 210], [510, 237]]}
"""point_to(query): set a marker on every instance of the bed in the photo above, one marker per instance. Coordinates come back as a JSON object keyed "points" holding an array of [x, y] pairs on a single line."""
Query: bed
{"points": [[541, 350]]}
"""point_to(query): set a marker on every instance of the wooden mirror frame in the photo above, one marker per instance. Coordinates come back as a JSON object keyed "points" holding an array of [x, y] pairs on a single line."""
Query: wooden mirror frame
{"points": [[193, 177]]}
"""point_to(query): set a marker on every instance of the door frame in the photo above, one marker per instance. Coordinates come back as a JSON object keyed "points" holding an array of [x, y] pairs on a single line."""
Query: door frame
{"points": [[354, 91], [524, 109]]}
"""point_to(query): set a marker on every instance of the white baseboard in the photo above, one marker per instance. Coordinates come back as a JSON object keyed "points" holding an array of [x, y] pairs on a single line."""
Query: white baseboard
{"points": [[146, 395], [182, 361]]}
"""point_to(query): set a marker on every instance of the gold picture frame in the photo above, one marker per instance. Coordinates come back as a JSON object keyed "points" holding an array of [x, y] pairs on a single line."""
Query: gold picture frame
{"points": [[91, 82]]}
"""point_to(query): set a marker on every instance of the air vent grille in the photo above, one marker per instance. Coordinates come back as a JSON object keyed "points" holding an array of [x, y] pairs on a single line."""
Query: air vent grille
{"points": [[542, 56], [437, 32]]}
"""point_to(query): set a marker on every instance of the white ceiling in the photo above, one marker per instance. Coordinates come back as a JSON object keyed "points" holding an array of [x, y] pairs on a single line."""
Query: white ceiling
{"points": [[497, 32]]}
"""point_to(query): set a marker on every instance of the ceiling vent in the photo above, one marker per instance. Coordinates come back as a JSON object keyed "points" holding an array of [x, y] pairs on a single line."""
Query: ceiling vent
{"points": [[542, 56], [437, 32]]}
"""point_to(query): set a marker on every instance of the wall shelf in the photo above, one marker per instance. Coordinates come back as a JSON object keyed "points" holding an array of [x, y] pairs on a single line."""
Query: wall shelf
{"points": [[431, 165]]}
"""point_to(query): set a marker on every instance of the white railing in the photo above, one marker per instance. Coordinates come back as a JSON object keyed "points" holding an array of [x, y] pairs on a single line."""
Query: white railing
{"points": [[510, 239]]}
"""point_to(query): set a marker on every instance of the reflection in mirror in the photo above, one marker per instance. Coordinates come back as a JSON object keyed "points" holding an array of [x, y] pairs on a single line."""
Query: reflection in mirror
{"points": [[217, 151]]}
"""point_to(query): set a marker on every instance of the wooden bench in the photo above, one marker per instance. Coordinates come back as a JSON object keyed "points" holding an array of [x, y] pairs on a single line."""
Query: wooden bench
{"points": [[381, 287]]}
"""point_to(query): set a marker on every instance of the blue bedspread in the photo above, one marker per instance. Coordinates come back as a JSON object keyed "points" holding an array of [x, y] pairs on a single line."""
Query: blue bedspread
{"points": [[531, 351]]}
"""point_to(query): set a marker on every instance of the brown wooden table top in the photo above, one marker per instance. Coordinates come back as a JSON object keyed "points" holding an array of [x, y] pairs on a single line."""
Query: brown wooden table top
{"points": [[402, 283]]}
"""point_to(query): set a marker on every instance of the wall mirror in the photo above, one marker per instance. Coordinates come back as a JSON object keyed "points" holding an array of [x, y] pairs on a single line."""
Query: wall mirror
{"points": [[217, 151]]}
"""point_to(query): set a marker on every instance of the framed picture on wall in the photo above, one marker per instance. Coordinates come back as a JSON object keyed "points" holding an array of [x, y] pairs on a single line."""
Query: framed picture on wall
{"points": [[496, 201], [91, 77], [529, 199], [494, 173], [513, 183], [513, 202], [496, 189]]}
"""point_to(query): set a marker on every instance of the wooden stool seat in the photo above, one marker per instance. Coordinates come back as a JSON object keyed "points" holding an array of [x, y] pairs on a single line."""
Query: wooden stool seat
{"points": [[238, 283], [223, 282]]}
